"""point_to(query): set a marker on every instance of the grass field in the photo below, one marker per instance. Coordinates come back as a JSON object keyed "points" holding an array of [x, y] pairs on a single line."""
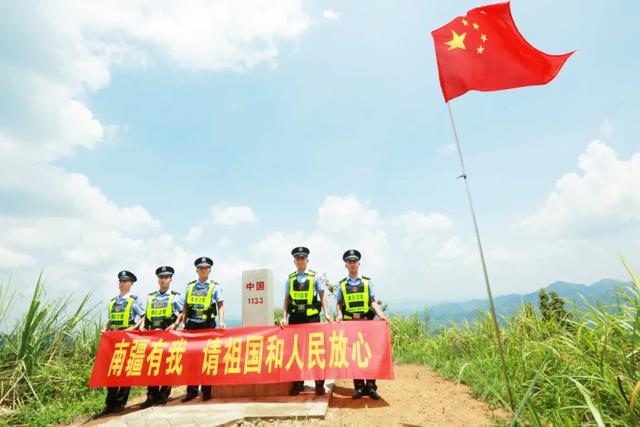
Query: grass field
{"points": [[580, 369], [45, 361]]}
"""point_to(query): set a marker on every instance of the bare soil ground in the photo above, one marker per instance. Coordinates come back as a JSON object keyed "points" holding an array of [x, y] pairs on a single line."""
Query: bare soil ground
{"points": [[417, 397]]}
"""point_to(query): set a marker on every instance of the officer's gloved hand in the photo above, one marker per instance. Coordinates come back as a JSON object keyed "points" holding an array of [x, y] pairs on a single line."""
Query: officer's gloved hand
{"points": [[222, 325], [284, 322]]}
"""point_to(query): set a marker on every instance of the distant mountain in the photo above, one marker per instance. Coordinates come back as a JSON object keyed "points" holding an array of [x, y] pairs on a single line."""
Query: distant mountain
{"points": [[603, 291]]}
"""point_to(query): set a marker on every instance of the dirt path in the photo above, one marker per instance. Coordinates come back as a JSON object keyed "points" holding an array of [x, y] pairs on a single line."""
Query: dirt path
{"points": [[417, 397]]}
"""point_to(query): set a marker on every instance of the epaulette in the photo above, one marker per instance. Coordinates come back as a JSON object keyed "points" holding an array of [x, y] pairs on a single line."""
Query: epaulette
{"points": [[311, 272], [294, 274], [191, 282], [366, 278], [153, 293], [215, 283], [133, 296], [175, 293], [343, 280]]}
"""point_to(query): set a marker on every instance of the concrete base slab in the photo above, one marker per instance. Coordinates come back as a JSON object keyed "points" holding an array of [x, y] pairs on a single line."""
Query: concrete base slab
{"points": [[251, 390], [220, 411]]}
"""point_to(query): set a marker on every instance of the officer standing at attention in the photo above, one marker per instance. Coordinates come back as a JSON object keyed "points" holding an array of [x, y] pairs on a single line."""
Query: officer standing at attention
{"points": [[163, 309], [304, 296], [202, 302], [356, 301], [123, 311]]}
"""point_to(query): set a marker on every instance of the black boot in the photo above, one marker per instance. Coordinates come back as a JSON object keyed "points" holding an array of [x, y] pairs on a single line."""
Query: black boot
{"points": [[147, 403], [188, 397], [358, 393]]}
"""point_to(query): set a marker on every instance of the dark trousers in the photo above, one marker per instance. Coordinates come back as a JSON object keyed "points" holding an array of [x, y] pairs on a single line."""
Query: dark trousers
{"points": [[193, 389], [296, 320], [158, 393], [116, 396], [364, 385]]}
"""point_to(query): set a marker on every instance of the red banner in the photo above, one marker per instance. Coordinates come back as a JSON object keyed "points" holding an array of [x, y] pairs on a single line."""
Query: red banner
{"points": [[252, 355]]}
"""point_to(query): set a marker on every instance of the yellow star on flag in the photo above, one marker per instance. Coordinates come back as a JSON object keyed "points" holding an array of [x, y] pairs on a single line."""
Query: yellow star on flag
{"points": [[483, 38], [476, 26], [457, 42], [465, 22], [480, 50]]}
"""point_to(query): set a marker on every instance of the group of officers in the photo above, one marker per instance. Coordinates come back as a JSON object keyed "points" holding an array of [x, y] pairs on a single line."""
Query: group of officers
{"points": [[202, 307]]}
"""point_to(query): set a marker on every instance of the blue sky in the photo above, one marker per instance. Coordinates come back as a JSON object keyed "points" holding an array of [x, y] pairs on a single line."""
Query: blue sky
{"points": [[310, 119]]}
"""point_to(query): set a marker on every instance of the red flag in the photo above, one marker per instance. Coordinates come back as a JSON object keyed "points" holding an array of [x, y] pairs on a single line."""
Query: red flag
{"points": [[485, 51]]}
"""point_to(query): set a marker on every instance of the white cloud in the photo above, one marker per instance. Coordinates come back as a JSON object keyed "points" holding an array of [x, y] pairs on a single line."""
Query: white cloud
{"points": [[232, 215], [66, 52], [603, 198], [347, 215], [345, 222], [195, 234], [10, 259], [452, 249], [418, 226], [331, 15]]}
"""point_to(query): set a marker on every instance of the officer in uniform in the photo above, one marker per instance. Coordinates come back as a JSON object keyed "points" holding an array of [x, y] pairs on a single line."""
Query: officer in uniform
{"points": [[123, 312], [356, 301], [304, 296], [202, 302], [163, 309]]}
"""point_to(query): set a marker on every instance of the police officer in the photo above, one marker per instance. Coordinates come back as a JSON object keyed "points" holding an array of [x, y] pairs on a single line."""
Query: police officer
{"points": [[202, 303], [356, 301], [123, 311], [163, 309], [304, 296]]}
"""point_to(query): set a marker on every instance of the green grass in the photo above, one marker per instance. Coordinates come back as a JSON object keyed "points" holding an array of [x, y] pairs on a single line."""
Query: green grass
{"points": [[45, 360], [581, 371]]}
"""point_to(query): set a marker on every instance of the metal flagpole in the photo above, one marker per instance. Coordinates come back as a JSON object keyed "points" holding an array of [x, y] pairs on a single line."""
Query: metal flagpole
{"points": [[503, 363]]}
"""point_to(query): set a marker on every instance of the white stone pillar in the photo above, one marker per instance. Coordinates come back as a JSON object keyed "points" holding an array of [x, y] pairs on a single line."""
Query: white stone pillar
{"points": [[257, 297]]}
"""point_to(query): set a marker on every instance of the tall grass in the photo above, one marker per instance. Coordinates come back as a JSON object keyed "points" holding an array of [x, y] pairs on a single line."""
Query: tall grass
{"points": [[45, 357], [583, 370]]}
